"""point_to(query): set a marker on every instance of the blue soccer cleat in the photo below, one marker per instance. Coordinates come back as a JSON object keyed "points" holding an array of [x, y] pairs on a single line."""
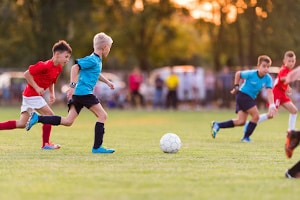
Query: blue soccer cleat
{"points": [[33, 119], [102, 150], [214, 129], [246, 139]]}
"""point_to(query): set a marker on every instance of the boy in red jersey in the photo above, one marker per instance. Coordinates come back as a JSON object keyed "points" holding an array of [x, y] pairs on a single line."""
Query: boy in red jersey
{"points": [[281, 91], [293, 137], [40, 77]]}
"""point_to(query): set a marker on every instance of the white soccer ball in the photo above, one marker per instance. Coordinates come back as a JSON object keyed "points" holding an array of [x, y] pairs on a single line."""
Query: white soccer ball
{"points": [[170, 143]]}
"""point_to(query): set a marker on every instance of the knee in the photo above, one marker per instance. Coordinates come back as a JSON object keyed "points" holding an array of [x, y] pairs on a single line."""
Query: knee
{"points": [[255, 118], [103, 117], [240, 123], [295, 112]]}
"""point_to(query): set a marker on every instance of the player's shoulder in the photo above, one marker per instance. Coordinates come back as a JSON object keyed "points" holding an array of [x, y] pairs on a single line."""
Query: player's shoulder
{"points": [[93, 58], [249, 72], [43, 63]]}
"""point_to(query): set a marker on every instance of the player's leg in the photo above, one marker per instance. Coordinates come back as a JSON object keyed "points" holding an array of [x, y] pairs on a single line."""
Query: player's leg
{"points": [[293, 172], [55, 120], [293, 114], [101, 115], [241, 119], [69, 120], [46, 128], [24, 116], [264, 117], [254, 113], [58, 120], [13, 124], [292, 141]]}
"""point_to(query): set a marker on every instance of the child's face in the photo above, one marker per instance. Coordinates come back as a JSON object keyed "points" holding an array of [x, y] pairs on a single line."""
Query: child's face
{"points": [[106, 50], [263, 68], [62, 58], [289, 62]]}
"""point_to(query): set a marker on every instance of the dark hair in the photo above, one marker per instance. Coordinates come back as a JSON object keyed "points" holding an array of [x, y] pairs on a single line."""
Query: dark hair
{"points": [[289, 54], [61, 46]]}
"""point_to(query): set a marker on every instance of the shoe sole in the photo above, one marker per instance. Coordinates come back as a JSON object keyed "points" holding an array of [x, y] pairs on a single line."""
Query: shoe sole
{"points": [[28, 127], [213, 135], [102, 152]]}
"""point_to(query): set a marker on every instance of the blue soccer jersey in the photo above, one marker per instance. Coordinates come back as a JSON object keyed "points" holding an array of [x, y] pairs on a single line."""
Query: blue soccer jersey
{"points": [[90, 69], [253, 83]]}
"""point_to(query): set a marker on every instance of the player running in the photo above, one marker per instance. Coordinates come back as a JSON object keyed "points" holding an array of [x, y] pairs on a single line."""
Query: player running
{"points": [[254, 81], [84, 76], [41, 77], [282, 90]]}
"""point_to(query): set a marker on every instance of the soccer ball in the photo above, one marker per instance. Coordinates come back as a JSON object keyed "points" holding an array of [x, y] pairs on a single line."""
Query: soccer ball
{"points": [[170, 143]]}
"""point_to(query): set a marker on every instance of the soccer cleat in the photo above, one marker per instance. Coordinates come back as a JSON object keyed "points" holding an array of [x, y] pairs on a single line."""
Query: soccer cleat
{"points": [[102, 150], [287, 175], [214, 129], [50, 146], [292, 141], [246, 139], [33, 119]]}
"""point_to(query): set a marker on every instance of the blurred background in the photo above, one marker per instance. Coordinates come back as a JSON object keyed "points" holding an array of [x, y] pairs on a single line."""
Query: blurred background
{"points": [[204, 41]]}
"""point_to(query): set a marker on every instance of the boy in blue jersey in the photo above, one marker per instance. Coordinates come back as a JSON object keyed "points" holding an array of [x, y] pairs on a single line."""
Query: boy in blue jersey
{"points": [[254, 81], [84, 76]]}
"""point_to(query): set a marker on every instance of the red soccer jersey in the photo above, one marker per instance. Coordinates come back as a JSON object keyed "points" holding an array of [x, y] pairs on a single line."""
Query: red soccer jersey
{"points": [[44, 74], [280, 85]]}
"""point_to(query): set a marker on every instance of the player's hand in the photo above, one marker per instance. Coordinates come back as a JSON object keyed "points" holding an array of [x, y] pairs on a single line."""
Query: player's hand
{"points": [[289, 91], [234, 91], [51, 99], [272, 111], [111, 85], [70, 93], [40, 91]]}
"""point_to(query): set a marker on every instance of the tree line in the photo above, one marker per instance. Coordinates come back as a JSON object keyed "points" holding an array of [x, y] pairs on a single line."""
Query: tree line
{"points": [[157, 33]]}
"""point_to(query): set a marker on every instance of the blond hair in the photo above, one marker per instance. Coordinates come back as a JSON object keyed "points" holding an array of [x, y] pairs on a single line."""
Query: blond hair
{"points": [[264, 58], [101, 39]]}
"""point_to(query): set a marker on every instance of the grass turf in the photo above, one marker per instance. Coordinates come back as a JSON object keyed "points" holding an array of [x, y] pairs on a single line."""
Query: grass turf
{"points": [[204, 168]]}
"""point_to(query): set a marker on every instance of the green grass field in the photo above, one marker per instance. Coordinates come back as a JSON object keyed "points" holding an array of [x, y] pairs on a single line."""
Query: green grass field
{"points": [[204, 168]]}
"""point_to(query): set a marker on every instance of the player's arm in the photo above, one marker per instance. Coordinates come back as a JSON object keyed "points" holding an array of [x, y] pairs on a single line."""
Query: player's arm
{"points": [[237, 78], [74, 73], [105, 80], [293, 75], [30, 81], [73, 80], [272, 107], [51, 93]]}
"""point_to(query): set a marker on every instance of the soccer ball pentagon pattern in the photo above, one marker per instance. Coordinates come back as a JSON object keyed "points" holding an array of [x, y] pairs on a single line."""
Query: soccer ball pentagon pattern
{"points": [[170, 143]]}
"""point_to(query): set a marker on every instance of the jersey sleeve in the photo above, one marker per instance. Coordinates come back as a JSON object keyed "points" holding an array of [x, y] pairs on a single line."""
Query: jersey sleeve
{"points": [[37, 68], [85, 62], [245, 74]]}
